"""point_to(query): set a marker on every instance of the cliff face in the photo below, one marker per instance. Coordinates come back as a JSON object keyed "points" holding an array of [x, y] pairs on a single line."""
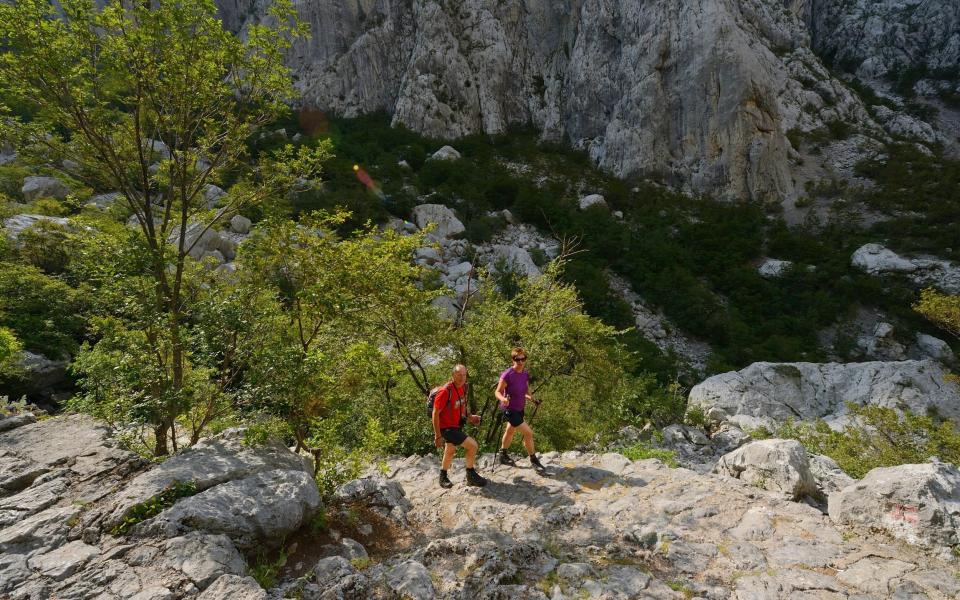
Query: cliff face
{"points": [[698, 94], [875, 37]]}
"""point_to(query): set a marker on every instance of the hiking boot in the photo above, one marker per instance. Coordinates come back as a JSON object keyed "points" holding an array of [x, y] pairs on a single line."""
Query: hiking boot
{"points": [[474, 478], [505, 459], [537, 465], [444, 480]]}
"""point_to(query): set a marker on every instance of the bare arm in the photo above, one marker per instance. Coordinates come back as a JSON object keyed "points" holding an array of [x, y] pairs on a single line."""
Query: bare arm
{"points": [[436, 417], [499, 393]]}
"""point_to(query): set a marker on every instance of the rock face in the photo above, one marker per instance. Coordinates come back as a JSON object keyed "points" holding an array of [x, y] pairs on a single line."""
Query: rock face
{"points": [[699, 94], [447, 223], [209, 464], [775, 465], [597, 525], [916, 503], [874, 37], [767, 393], [43, 187], [14, 226], [877, 260], [62, 481]]}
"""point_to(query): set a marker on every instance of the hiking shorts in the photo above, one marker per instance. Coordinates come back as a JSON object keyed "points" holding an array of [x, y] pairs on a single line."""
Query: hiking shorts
{"points": [[453, 435], [514, 417]]}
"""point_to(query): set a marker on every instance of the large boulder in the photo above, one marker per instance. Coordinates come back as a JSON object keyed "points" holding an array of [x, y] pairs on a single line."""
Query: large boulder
{"points": [[261, 509], [447, 223], [916, 503], [513, 257], [15, 225], [380, 494], [768, 393], [211, 462], [774, 464], [445, 153], [43, 187], [875, 259]]}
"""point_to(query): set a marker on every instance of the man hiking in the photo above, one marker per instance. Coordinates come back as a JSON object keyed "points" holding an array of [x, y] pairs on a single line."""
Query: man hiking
{"points": [[449, 414], [513, 394]]}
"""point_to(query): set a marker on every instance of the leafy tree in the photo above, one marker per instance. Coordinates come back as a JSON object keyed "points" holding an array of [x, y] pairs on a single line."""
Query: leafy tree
{"points": [[576, 362], [341, 303], [154, 100]]}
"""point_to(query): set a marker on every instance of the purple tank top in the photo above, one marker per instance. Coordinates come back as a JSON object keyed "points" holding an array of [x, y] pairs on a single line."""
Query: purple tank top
{"points": [[516, 388]]}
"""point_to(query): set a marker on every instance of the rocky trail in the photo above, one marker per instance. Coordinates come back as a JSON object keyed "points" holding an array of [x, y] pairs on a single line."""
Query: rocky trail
{"points": [[80, 518]]}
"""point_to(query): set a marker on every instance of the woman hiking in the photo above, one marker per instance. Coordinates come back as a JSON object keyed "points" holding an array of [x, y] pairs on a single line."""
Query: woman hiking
{"points": [[513, 394]]}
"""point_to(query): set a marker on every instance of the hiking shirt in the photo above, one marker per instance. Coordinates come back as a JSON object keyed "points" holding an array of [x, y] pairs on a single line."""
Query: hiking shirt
{"points": [[517, 385], [451, 400]]}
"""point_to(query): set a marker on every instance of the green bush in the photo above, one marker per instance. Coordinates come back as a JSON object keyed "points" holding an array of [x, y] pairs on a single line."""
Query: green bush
{"points": [[43, 311], [642, 451], [878, 437]]}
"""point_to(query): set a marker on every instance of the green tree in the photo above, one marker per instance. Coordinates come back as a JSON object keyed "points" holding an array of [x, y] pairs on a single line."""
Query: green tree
{"points": [[340, 306], [154, 100], [576, 361]]}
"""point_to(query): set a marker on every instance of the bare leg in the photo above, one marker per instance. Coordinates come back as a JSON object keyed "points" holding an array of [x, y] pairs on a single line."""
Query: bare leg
{"points": [[507, 437], [527, 434], [448, 451], [470, 445]]}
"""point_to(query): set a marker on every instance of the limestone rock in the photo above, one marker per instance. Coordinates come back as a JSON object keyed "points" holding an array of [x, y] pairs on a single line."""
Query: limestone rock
{"points": [[378, 493], [447, 223], [103, 201], [212, 194], [773, 464], [830, 477], [514, 258], [592, 200], [64, 561], [253, 511], [234, 587], [935, 348], [773, 268], [212, 461], [240, 224], [43, 374], [411, 579], [877, 260], [203, 557], [875, 37], [14, 225], [916, 503], [767, 393], [584, 73], [445, 153], [43, 187]]}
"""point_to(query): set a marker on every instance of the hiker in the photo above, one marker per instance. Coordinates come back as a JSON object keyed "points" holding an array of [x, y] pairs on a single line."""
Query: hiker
{"points": [[513, 394], [449, 414]]}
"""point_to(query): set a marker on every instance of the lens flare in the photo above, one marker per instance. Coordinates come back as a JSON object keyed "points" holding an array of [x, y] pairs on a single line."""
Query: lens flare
{"points": [[368, 181]]}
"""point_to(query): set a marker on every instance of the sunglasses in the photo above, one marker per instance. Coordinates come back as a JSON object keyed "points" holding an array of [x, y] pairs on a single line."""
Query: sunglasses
{"points": [[520, 358]]}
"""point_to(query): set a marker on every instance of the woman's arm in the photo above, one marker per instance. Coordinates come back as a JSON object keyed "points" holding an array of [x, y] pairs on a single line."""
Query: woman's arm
{"points": [[501, 387]]}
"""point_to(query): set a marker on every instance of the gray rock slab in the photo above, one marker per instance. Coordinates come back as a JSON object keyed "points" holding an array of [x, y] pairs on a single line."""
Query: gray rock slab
{"points": [[256, 510], [64, 561], [233, 587], [919, 504], [410, 579], [203, 557], [210, 462], [773, 464]]}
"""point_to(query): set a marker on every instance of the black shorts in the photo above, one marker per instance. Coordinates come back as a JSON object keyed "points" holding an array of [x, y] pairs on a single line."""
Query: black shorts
{"points": [[453, 435], [514, 417]]}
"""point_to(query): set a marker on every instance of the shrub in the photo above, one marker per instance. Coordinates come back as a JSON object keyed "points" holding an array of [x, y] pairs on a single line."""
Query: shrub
{"points": [[47, 246], [155, 505], [879, 437], [642, 451], [41, 310]]}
